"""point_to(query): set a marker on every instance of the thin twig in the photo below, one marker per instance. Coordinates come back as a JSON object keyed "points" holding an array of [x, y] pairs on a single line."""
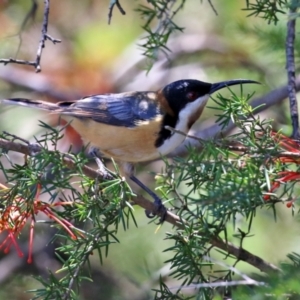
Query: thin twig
{"points": [[111, 8], [6, 61], [212, 6], [219, 284], [231, 268], [290, 66], [78, 268], [244, 255], [43, 37], [52, 39], [247, 280]]}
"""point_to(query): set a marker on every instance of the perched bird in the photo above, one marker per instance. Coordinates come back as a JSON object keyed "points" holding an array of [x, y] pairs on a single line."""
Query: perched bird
{"points": [[131, 127]]}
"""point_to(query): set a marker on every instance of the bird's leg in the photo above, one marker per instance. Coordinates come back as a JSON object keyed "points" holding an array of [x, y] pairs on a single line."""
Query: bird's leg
{"points": [[129, 170], [95, 153], [159, 207]]}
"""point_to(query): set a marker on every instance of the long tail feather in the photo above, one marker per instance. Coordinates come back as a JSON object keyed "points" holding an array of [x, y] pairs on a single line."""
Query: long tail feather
{"points": [[32, 103]]}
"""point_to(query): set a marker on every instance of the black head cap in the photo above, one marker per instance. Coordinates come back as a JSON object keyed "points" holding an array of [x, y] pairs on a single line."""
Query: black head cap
{"points": [[181, 92]]}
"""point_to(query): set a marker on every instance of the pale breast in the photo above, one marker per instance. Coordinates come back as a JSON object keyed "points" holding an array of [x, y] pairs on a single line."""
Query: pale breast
{"points": [[124, 144]]}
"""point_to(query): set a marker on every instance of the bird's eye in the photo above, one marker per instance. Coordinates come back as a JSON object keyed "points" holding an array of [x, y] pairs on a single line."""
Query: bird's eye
{"points": [[191, 96]]}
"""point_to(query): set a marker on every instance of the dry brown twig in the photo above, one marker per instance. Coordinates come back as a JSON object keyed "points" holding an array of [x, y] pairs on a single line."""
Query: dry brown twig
{"points": [[112, 4]]}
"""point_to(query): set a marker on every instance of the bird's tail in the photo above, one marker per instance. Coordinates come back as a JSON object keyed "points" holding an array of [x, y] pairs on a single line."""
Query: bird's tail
{"points": [[33, 103]]}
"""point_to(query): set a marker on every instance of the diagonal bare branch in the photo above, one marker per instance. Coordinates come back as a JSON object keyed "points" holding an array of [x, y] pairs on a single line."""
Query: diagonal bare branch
{"points": [[238, 252]]}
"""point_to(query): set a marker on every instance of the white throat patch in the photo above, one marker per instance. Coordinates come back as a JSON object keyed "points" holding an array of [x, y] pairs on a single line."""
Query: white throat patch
{"points": [[182, 125]]}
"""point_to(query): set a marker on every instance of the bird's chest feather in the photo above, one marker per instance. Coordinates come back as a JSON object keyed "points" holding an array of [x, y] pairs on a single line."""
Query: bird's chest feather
{"points": [[134, 144], [131, 144]]}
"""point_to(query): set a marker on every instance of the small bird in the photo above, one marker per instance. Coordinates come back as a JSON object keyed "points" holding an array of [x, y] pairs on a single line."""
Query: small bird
{"points": [[132, 127]]}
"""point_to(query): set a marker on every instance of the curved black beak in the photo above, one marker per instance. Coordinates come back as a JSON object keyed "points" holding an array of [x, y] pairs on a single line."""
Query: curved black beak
{"points": [[219, 85]]}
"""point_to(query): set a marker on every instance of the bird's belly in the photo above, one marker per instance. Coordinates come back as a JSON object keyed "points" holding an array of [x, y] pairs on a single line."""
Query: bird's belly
{"points": [[134, 144]]}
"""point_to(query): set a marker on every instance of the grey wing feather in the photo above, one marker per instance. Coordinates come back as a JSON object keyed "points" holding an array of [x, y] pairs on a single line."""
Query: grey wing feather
{"points": [[126, 109]]}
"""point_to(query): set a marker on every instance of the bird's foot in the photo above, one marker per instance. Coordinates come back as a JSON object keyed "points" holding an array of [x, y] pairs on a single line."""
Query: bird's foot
{"points": [[159, 210]]}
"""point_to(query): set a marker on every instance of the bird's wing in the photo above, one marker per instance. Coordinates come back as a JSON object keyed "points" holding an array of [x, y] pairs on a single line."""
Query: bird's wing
{"points": [[126, 109]]}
